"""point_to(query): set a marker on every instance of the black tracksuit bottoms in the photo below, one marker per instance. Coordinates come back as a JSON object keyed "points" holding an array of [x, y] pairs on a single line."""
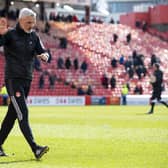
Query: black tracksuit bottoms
{"points": [[18, 90]]}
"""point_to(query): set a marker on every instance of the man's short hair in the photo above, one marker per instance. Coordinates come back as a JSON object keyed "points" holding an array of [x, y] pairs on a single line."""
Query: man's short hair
{"points": [[26, 12]]}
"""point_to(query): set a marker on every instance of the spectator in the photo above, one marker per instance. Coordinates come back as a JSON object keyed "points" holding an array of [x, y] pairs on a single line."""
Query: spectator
{"points": [[129, 67], [141, 71], [124, 92], [73, 84], [67, 63], [69, 18], [76, 64], [60, 63], [144, 26], [4, 95], [135, 58], [75, 18], [121, 60], [114, 62], [89, 90], [113, 82], [138, 24], [128, 63], [84, 66], [128, 38], [138, 89], [115, 37], [128, 86], [80, 91], [130, 72], [104, 81], [63, 42], [154, 60], [112, 21]]}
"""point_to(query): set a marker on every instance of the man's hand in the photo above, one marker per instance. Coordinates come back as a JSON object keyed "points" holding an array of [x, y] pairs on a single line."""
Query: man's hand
{"points": [[3, 26], [44, 57]]}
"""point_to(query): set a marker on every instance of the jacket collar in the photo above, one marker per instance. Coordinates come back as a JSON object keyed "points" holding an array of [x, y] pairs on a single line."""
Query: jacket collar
{"points": [[20, 30]]}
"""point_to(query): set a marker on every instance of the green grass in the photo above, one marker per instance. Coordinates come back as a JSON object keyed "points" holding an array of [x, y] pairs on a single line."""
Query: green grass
{"points": [[92, 137]]}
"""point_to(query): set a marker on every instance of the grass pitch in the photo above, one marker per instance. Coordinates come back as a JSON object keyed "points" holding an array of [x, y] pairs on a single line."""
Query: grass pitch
{"points": [[92, 137]]}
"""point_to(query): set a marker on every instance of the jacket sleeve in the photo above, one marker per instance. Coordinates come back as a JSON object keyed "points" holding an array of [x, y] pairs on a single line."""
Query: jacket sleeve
{"points": [[39, 46], [41, 49]]}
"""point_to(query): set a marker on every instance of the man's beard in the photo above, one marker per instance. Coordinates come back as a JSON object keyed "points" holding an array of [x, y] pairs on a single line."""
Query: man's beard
{"points": [[29, 31]]}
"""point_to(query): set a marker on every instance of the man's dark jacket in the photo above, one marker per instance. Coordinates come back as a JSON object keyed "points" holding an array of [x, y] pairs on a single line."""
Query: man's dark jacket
{"points": [[20, 49]]}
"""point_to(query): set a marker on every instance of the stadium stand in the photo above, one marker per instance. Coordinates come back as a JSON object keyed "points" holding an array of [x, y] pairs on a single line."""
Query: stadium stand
{"points": [[93, 43]]}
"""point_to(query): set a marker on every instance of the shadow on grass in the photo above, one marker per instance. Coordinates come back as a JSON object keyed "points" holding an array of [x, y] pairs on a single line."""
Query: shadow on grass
{"points": [[141, 114], [19, 161]]}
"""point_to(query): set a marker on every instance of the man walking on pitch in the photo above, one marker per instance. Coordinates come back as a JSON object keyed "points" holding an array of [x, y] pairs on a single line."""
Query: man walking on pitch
{"points": [[156, 81], [21, 45]]}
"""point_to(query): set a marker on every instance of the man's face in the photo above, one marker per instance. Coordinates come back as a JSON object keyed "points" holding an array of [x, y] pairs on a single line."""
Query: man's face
{"points": [[27, 23]]}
